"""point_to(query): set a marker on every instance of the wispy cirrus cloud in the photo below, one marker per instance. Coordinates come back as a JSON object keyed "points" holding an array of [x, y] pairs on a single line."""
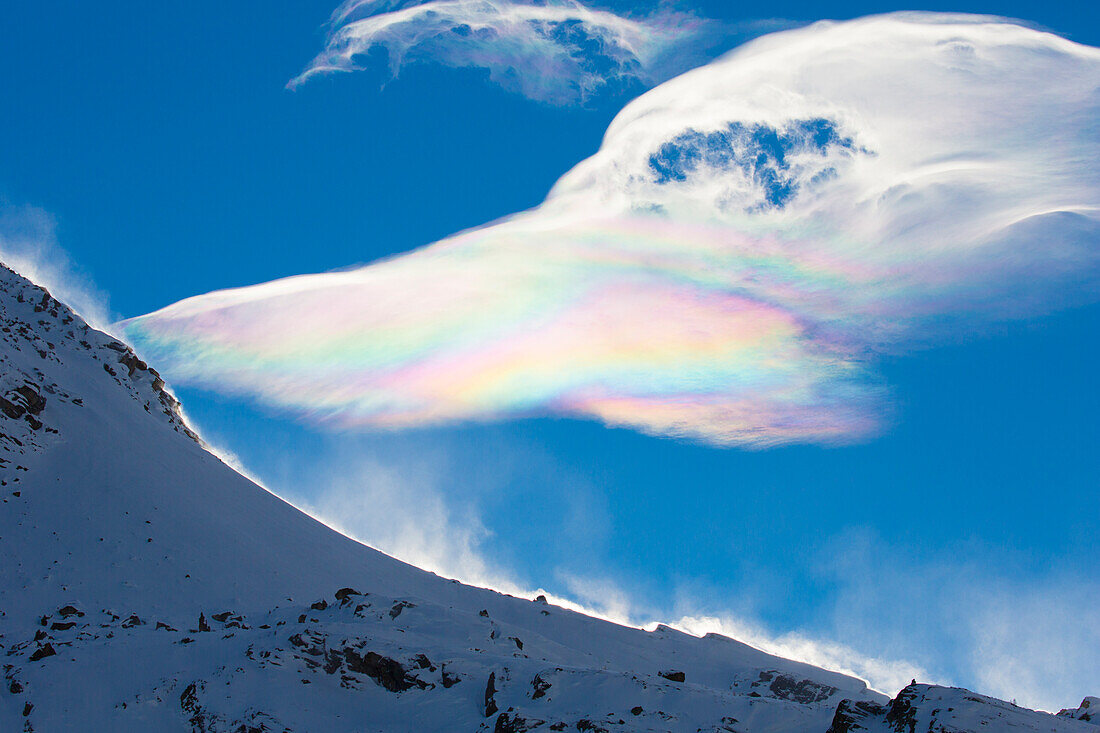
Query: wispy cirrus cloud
{"points": [[749, 238], [556, 51]]}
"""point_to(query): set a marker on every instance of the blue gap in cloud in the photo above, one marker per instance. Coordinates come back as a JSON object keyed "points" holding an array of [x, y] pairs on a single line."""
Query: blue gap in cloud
{"points": [[761, 152]]}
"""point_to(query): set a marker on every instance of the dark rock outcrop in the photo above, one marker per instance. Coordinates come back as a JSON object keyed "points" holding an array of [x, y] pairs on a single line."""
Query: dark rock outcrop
{"points": [[512, 723], [385, 671], [46, 650], [851, 715], [344, 593], [490, 695], [901, 713], [539, 686], [786, 687]]}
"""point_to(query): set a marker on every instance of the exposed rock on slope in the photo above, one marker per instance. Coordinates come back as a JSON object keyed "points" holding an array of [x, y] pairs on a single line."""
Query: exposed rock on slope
{"points": [[44, 345], [1088, 711], [944, 710], [144, 585]]}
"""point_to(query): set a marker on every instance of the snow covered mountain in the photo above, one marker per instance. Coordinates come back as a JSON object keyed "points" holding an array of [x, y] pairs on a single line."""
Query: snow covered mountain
{"points": [[145, 585]]}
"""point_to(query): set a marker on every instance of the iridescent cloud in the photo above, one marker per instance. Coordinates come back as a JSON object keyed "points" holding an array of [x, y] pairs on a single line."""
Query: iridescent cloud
{"points": [[557, 51], [727, 267]]}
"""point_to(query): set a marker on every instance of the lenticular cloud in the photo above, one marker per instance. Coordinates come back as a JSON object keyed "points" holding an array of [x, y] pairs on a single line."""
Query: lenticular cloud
{"points": [[556, 51], [727, 267]]}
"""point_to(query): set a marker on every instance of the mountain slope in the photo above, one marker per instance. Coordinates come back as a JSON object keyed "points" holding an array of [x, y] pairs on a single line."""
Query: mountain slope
{"points": [[145, 585]]}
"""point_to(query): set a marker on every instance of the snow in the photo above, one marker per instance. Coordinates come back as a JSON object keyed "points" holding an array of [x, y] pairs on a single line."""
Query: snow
{"points": [[118, 529]]}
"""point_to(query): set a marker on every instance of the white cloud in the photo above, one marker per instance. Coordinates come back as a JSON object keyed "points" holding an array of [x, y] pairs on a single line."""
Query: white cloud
{"points": [[558, 51]]}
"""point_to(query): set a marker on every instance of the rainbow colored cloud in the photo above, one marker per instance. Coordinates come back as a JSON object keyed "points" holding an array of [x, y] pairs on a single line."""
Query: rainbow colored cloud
{"points": [[749, 238]]}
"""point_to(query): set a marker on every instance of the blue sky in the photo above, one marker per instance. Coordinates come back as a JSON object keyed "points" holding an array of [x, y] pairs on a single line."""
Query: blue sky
{"points": [[959, 543]]}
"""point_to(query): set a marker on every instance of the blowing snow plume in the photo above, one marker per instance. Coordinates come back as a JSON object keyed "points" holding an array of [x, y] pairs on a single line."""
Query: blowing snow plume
{"points": [[557, 51], [727, 267]]}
